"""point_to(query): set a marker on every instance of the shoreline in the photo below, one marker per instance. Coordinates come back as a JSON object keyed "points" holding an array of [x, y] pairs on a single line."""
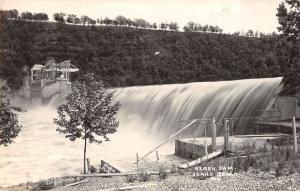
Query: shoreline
{"points": [[169, 179]]}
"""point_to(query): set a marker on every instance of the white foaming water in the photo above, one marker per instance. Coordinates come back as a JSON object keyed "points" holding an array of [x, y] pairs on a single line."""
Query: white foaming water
{"points": [[156, 108], [41, 152]]}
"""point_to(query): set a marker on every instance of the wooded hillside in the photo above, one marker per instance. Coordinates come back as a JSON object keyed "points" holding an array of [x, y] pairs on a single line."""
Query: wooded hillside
{"points": [[126, 56]]}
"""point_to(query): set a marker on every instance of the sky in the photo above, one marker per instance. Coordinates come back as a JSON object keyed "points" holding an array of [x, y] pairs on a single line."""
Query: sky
{"points": [[230, 15]]}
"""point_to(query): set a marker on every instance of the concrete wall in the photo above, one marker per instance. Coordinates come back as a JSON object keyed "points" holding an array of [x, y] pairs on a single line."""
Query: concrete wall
{"points": [[189, 150], [287, 106]]}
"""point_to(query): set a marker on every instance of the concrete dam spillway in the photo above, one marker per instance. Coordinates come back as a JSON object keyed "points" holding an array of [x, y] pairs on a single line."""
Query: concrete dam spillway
{"points": [[148, 114], [156, 108]]}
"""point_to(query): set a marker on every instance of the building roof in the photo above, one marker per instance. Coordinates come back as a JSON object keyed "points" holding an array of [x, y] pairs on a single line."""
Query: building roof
{"points": [[37, 67]]}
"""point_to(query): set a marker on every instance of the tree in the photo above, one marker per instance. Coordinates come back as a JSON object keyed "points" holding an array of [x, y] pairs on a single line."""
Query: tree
{"points": [[289, 21], [141, 23], [71, 18], [173, 26], [205, 28], [154, 25], [77, 20], [26, 15], [107, 21], [198, 27], [59, 17], [99, 21], [121, 20], [9, 127], [92, 21], [40, 17], [250, 33], [218, 29], [163, 26], [12, 14], [89, 113], [190, 27], [84, 19]]}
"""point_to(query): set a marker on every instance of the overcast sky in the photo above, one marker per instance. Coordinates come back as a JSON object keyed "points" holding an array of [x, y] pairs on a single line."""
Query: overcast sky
{"points": [[231, 15]]}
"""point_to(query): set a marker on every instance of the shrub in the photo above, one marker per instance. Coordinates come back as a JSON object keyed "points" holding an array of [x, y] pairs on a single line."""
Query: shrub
{"points": [[44, 185], [237, 164], [263, 149], [162, 173], [143, 175], [263, 164], [173, 169], [296, 165], [131, 178]]}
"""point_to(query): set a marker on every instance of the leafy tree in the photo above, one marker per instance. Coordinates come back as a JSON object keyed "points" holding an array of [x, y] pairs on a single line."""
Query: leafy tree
{"points": [[211, 28], [190, 27], [173, 26], [236, 33], [130, 22], [71, 18], [198, 27], [26, 15], [289, 21], [99, 21], [218, 29], [9, 127], [250, 33], [141, 23], [59, 17], [163, 26], [121, 20], [12, 14], [107, 21], [77, 20], [40, 17], [89, 113], [205, 28], [154, 25], [92, 21], [85, 19]]}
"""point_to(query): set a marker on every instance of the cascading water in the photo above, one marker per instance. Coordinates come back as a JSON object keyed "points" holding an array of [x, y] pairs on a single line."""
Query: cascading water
{"points": [[41, 152], [157, 108]]}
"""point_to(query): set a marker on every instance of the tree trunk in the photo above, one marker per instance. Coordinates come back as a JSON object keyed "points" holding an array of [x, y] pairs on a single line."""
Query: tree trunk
{"points": [[84, 157]]}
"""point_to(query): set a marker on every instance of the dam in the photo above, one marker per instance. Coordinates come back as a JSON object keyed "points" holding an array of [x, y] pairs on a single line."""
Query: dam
{"points": [[148, 115]]}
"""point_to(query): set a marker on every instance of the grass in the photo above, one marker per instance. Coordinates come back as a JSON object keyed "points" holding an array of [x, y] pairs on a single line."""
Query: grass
{"points": [[278, 160]]}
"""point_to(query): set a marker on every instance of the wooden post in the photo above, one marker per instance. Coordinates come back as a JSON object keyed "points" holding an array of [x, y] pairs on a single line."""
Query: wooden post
{"points": [[194, 127], [295, 135], [205, 149], [226, 137], [137, 160], [157, 157], [232, 123], [88, 166], [205, 129], [213, 134]]}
